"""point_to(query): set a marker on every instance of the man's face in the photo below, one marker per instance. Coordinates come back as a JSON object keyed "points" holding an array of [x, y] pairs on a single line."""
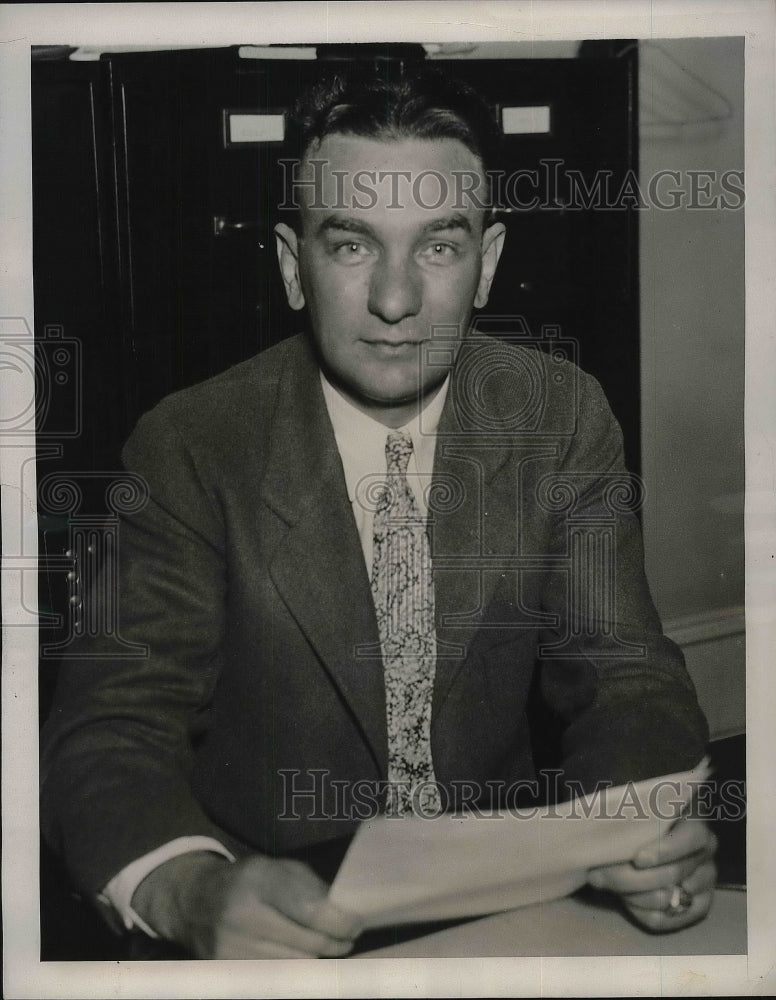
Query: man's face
{"points": [[385, 262]]}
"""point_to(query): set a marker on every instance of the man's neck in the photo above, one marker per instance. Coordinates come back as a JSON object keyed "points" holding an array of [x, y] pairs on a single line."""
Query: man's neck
{"points": [[392, 415]]}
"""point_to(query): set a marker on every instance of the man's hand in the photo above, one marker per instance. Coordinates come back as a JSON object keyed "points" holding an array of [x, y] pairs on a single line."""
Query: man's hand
{"points": [[258, 907], [682, 858]]}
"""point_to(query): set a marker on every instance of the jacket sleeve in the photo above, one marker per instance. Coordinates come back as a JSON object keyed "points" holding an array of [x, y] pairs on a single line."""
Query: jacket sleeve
{"points": [[619, 685], [117, 746]]}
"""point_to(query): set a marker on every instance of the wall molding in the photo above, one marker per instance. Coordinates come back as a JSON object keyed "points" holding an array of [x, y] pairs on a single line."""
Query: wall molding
{"points": [[713, 643], [706, 626]]}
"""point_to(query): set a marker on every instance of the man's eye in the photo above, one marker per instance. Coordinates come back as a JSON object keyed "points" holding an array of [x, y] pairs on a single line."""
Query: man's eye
{"points": [[351, 250], [440, 251]]}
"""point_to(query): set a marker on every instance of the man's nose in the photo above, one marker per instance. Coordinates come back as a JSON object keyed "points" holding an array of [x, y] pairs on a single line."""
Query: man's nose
{"points": [[395, 290]]}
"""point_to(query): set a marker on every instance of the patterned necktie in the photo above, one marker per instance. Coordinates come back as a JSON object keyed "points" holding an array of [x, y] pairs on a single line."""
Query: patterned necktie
{"points": [[403, 592]]}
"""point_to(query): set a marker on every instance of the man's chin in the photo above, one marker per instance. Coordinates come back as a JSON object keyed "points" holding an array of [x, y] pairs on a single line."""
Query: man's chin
{"points": [[391, 397], [383, 398]]}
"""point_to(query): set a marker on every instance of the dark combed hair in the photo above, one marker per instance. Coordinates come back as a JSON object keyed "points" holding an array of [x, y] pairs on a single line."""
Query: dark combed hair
{"points": [[424, 104]]}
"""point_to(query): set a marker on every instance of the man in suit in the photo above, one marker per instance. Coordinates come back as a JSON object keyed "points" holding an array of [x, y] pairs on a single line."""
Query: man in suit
{"points": [[300, 675]]}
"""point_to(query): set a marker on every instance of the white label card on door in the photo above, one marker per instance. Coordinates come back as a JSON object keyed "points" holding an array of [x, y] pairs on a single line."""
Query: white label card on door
{"points": [[526, 120], [242, 128]]}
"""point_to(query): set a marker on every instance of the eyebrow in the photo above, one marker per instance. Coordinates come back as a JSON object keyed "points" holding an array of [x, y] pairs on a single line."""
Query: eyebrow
{"points": [[339, 223], [450, 222]]}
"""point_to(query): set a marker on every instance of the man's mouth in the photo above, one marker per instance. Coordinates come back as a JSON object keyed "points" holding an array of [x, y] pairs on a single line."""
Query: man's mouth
{"points": [[392, 346]]}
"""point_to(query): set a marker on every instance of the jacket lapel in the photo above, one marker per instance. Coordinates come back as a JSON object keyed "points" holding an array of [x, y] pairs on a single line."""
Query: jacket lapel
{"points": [[319, 568], [466, 468]]}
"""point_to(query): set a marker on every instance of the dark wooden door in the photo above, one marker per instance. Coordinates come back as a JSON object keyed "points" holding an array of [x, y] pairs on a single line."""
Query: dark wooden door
{"points": [[570, 260]]}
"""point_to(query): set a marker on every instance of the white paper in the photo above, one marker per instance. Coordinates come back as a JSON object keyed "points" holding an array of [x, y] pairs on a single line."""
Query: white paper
{"points": [[409, 869]]}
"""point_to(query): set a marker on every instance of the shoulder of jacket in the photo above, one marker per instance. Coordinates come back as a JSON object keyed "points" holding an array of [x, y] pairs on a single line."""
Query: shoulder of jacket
{"points": [[240, 397], [226, 416], [527, 385]]}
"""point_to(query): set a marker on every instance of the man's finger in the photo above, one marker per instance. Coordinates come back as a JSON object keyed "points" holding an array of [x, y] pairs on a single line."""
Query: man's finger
{"points": [[625, 878], [301, 895], [685, 837], [661, 921], [702, 879], [237, 946], [251, 920], [334, 922], [264, 903]]}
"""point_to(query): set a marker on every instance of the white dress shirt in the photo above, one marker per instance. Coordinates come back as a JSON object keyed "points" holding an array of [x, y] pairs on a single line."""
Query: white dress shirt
{"points": [[361, 445]]}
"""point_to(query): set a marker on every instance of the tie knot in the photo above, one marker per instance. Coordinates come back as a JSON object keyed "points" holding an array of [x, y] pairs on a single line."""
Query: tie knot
{"points": [[398, 448]]}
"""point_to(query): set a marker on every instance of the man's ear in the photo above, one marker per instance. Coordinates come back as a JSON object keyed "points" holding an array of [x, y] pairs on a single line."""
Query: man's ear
{"points": [[492, 245], [288, 258]]}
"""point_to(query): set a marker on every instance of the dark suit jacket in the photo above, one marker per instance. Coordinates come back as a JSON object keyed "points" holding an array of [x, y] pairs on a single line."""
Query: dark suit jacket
{"points": [[244, 575]]}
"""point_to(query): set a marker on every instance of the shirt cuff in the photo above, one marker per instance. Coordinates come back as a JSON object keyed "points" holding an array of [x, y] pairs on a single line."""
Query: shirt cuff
{"points": [[119, 891]]}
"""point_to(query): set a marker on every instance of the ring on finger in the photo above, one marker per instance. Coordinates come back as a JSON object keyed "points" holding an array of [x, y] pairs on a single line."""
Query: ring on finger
{"points": [[680, 901]]}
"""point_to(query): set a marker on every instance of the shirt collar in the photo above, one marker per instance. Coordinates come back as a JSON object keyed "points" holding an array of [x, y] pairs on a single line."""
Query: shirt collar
{"points": [[361, 439]]}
